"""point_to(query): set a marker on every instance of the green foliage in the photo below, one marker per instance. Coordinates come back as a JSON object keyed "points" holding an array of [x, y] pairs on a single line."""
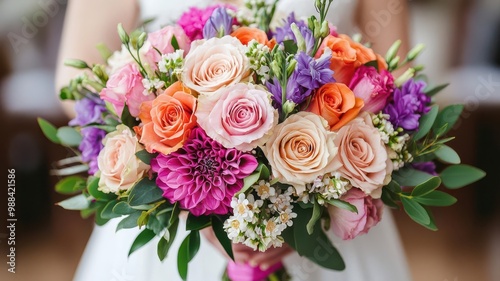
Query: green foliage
{"points": [[410, 177], [123, 208], [426, 122], [144, 192], [78, 202], [71, 185], [127, 119], [316, 215], [167, 240], [93, 189], [141, 240], [426, 187], [436, 198], [415, 211], [220, 233], [68, 136], [343, 205], [431, 91], [129, 221], [145, 156], [317, 247], [457, 176], [188, 249], [197, 223], [447, 155], [49, 130], [108, 210], [290, 46], [447, 117], [262, 172]]}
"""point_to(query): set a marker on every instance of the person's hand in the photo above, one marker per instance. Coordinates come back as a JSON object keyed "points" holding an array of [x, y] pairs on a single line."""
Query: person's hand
{"points": [[245, 254]]}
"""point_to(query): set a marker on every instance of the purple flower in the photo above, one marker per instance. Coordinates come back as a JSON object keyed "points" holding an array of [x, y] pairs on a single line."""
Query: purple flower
{"points": [[407, 105], [88, 110], [373, 87], [428, 167], [90, 146], [294, 91], [313, 73], [285, 33], [218, 25], [203, 176]]}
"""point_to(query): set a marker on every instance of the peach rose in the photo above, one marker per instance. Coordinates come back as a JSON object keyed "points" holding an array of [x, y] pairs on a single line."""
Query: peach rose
{"points": [[119, 168], [246, 34], [215, 63], [301, 149], [362, 156], [167, 120], [336, 103]]}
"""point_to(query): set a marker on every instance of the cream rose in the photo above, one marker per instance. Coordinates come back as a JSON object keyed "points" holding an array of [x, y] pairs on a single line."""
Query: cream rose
{"points": [[119, 168], [362, 156], [301, 149], [214, 63]]}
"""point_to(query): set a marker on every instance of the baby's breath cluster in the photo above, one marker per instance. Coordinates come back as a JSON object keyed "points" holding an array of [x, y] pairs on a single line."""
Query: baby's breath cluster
{"points": [[152, 85], [258, 62], [258, 223], [171, 64], [395, 139], [327, 187]]}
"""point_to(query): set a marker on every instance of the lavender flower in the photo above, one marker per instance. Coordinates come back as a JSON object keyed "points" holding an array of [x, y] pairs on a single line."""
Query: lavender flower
{"points": [[88, 110], [312, 73], [408, 104], [90, 146], [203, 176], [285, 32], [294, 91], [218, 25]]}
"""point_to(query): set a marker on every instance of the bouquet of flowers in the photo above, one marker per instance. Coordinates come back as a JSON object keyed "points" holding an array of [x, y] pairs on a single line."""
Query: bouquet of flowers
{"points": [[268, 133]]}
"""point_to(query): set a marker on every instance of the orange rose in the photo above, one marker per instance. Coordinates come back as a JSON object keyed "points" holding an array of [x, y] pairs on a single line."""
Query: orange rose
{"points": [[247, 34], [167, 120], [347, 56], [336, 103]]}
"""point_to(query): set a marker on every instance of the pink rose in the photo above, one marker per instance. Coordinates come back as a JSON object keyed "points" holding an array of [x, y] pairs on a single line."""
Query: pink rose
{"points": [[215, 63], [239, 116], [125, 87], [362, 156], [119, 168], [161, 40], [301, 149], [347, 224], [373, 87]]}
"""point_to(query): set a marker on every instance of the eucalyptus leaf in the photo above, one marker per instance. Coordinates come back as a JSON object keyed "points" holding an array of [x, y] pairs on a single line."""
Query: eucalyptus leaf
{"points": [[141, 240], [426, 123], [71, 185], [458, 176], [99, 220], [93, 189], [107, 211], [448, 116], [144, 192], [68, 136], [426, 187], [387, 198], [436, 198], [145, 156], [123, 208], [431, 91], [49, 130], [447, 154], [129, 222], [415, 211], [78, 202], [410, 177]]}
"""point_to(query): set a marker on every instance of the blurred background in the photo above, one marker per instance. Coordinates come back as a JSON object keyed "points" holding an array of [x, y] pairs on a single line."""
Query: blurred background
{"points": [[463, 48]]}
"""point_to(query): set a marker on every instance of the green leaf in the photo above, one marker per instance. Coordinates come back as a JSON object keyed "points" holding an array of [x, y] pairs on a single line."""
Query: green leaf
{"points": [[431, 91], [316, 247], [426, 122], [448, 116], [262, 172], [123, 208], [426, 187], [99, 220], [141, 240], [436, 198], [343, 205], [410, 177], [78, 202], [129, 222], [127, 119], [164, 244], [187, 251], [415, 211], [174, 43], [394, 187], [373, 63], [49, 130], [458, 176], [197, 223], [154, 224], [145, 156], [316, 215], [387, 198], [432, 224], [93, 189], [447, 154], [107, 211], [218, 227], [144, 192], [143, 219], [71, 185], [68, 136], [104, 51], [290, 46]]}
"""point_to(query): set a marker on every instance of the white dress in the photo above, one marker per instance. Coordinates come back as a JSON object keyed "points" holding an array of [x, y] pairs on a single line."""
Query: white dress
{"points": [[376, 256]]}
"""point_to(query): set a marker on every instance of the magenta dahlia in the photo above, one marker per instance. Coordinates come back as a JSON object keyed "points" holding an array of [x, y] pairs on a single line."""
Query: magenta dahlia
{"points": [[203, 176]]}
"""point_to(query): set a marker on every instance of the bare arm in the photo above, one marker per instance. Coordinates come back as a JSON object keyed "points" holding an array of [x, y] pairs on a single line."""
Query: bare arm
{"points": [[382, 22], [88, 23]]}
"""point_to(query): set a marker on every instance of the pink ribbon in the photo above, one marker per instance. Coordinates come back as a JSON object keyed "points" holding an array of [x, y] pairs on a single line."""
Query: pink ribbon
{"points": [[245, 272]]}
